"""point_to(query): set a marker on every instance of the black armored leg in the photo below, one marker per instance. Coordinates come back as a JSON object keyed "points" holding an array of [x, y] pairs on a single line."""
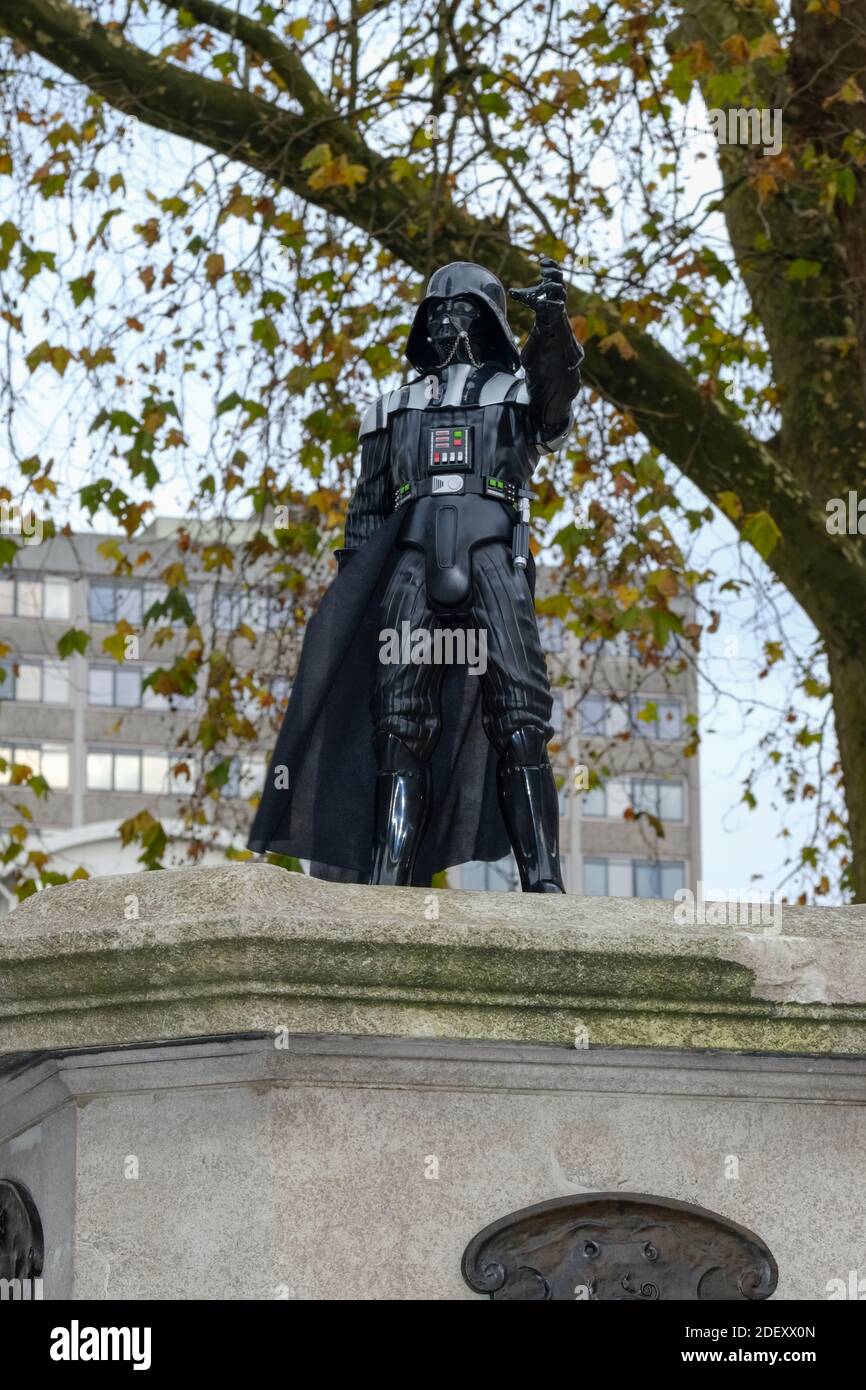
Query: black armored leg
{"points": [[517, 707], [403, 795], [530, 809]]}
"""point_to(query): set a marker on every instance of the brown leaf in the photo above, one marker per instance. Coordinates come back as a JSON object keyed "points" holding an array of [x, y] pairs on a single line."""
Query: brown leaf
{"points": [[737, 48], [214, 267], [620, 342]]}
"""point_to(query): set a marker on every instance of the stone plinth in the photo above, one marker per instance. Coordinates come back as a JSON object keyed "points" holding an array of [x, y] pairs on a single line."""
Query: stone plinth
{"points": [[250, 948], [240, 1083]]}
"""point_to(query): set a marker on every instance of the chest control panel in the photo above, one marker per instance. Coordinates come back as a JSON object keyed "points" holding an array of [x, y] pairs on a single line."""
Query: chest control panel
{"points": [[451, 448]]}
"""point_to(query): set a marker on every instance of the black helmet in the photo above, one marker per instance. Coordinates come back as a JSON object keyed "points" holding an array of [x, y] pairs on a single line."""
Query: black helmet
{"points": [[463, 278]]}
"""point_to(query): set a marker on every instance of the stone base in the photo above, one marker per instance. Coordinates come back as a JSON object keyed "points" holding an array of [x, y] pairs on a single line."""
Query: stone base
{"points": [[359, 1168]]}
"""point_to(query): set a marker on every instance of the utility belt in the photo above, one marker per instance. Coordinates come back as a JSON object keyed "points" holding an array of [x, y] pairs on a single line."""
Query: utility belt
{"points": [[460, 484]]}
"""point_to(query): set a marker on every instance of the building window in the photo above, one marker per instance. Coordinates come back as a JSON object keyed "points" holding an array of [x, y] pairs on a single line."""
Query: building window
{"points": [[501, 875], [551, 631], [35, 598], [121, 688], [636, 878], [261, 612], [557, 713], [657, 797], [246, 776], [610, 801], [595, 878], [593, 715], [118, 686], [110, 602], [100, 685], [668, 720], [658, 879], [136, 770], [48, 760], [42, 682]]}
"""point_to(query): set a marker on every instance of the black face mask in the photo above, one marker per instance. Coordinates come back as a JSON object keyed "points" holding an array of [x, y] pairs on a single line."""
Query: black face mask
{"points": [[456, 328]]}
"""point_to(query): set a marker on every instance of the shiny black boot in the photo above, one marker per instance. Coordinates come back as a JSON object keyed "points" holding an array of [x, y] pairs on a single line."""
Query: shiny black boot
{"points": [[403, 794], [530, 809]]}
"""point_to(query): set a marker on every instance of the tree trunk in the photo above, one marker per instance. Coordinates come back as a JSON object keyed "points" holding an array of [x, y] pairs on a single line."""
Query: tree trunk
{"points": [[848, 679]]}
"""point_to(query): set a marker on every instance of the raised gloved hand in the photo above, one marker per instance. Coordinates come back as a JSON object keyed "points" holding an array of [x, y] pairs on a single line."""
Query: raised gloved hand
{"points": [[546, 300]]}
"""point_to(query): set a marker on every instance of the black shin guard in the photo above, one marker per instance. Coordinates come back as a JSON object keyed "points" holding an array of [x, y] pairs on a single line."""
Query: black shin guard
{"points": [[402, 809], [530, 809]]}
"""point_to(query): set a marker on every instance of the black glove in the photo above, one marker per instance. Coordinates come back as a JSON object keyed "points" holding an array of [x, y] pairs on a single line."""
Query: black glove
{"points": [[343, 557], [546, 300]]}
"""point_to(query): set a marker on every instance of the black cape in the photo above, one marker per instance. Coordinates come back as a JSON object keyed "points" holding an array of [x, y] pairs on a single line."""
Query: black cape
{"points": [[325, 813]]}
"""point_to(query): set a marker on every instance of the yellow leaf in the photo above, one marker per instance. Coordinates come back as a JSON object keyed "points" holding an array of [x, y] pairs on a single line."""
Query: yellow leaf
{"points": [[850, 93], [337, 173], [730, 505], [765, 46], [620, 342]]}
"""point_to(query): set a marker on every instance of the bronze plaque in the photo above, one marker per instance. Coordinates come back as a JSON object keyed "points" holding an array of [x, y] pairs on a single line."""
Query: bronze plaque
{"points": [[618, 1246]]}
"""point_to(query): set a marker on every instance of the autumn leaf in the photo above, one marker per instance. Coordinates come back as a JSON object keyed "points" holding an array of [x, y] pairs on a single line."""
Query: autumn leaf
{"points": [[730, 505], [265, 331], [56, 357], [148, 231], [328, 172], [115, 643], [81, 289], [620, 342], [761, 531], [73, 641], [850, 93], [765, 46], [737, 48], [214, 267]]}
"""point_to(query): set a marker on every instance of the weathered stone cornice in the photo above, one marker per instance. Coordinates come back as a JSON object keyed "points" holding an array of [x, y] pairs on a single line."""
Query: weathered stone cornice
{"points": [[249, 948]]}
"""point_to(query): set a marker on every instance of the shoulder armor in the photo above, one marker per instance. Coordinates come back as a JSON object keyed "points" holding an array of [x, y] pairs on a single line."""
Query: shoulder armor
{"points": [[375, 417], [413, 395], [505, 386]]}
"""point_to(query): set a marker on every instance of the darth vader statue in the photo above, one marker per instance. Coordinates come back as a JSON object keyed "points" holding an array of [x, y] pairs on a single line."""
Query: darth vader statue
{"points": [[388, 769]]}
